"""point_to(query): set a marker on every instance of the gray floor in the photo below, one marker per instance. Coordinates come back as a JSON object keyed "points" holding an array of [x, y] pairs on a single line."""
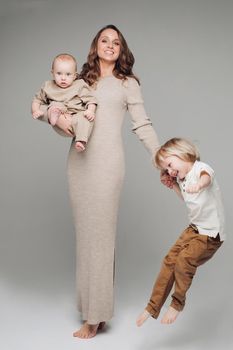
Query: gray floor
{"points": [[40, 319]]}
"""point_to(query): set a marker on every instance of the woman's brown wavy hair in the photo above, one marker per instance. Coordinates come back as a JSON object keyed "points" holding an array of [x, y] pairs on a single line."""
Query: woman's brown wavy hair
{"points": [[124, 64]]}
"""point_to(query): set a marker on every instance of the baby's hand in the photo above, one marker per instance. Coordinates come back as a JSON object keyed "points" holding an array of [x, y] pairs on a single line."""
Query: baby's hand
{"points": [[193, 188], [89, 115], [38, 113]]}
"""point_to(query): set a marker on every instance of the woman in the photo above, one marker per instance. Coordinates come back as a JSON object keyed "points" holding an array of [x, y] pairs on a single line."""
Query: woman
{"points": [[96, 175]]}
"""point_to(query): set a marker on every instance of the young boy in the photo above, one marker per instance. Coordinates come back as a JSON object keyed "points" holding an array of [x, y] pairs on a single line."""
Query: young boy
{"points": [[67, 94], [197, 186]]}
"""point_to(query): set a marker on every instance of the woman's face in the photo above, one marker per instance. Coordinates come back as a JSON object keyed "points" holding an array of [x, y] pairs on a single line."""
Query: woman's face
{"points": [[108, 46]]}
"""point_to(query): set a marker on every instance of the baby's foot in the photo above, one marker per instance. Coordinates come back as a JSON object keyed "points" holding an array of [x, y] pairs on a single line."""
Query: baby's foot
{"points": [[170, 316], [88, 330], [142, 318], [54, 114], [80, 146], [37, 114]]}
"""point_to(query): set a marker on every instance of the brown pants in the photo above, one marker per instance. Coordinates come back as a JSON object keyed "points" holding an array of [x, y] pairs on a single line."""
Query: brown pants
{"points": [[178, 268]]}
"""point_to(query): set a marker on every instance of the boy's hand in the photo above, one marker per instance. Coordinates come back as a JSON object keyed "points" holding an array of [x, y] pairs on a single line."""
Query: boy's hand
{"points": [[204, 182], [90, 115], [38, 113], [194, 188]]}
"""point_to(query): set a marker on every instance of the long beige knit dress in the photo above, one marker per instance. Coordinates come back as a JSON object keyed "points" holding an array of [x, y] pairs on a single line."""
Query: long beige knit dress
{"points": [[95, 182]]}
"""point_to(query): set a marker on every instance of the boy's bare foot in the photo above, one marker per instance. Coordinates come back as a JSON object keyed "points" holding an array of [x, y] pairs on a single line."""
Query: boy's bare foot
{"points": [[142, 318], [54, 114], [170, 316], [80, 146], [88, 331]]}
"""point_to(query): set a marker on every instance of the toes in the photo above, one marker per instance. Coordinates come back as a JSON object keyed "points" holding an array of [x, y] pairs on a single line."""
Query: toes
{"points": [[86, 332], [76, 334]]}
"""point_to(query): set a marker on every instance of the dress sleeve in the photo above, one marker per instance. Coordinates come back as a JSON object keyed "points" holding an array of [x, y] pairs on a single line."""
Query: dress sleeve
{"points": [[142, 125]]}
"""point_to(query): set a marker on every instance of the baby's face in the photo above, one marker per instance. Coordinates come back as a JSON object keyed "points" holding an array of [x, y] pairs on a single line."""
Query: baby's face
{"points": [[64, 73]]}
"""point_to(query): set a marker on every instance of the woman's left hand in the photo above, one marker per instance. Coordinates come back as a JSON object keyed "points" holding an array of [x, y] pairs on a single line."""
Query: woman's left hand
{"points": [[166, 179]]}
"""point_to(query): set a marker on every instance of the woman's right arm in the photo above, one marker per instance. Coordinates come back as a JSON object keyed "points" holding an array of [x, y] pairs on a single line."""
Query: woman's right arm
{"points": [[63, 125]]}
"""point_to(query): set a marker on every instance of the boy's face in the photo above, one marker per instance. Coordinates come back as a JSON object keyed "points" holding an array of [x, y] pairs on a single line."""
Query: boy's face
{"points": [[64, 73], [176, 167]]}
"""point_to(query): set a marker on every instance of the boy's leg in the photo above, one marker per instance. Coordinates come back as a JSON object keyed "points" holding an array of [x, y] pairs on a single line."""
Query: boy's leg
{"points": [[166, 277], [161, 288], [199, 250]]}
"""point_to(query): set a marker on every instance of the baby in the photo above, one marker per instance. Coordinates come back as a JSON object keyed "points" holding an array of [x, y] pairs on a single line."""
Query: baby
{"points": [[66, 94]]}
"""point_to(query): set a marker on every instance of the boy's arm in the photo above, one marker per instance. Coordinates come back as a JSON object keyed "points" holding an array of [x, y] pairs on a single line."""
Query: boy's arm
{"points": [[203, 182], [176, 188]]}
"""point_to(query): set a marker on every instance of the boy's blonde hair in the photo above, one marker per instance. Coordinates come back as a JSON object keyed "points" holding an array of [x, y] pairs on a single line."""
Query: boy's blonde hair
{"points": [[65, 57], [178, 147]]}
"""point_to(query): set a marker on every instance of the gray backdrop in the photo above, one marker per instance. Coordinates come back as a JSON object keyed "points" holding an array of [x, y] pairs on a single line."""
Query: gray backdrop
{"points": [[183, 51]]}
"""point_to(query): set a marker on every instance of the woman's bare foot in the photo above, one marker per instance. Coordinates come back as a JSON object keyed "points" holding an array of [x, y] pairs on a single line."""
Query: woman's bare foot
{"points": [[170, 316], [54, 113], [88, 331], [142, 318], [80, 146]]}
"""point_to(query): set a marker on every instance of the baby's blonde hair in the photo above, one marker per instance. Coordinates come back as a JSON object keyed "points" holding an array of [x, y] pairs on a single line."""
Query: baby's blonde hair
{"points": [[178, 147], [64, 57]]}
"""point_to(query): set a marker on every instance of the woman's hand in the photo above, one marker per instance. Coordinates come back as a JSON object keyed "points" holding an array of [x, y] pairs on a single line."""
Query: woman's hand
{"points": [[64, 123], [166, 179]]}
